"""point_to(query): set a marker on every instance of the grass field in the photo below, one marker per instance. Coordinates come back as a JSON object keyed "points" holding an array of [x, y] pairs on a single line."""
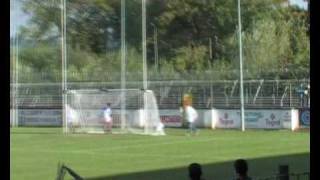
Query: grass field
{"points": [[36, 152]]}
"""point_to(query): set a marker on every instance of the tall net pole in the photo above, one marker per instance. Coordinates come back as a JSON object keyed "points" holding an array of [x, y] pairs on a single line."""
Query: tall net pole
{"points": [[156, 54], [12, 83], [64, 63], [144, 45], [15, 70], [211, 70], [16, 120], [241, 72], [144, 59], [123, 63]]}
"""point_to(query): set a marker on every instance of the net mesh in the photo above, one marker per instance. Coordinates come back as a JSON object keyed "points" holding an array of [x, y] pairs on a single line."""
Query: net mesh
{"points": [[133, 111]]}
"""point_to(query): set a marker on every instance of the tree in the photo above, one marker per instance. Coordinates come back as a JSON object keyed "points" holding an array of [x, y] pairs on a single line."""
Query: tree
{"points": [[273, 36], [274, 47]]}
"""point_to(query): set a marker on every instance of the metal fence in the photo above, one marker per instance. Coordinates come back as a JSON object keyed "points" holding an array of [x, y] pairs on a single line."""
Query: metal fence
{"points": [[206, 94]]}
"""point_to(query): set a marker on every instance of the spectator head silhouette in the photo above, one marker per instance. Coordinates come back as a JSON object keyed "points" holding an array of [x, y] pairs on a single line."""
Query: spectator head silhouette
{"points": [[241, 168], [195, 171]]}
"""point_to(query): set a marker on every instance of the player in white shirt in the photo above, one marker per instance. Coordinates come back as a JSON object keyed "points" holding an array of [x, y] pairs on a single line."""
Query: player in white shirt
{"points": [[107, 118], [191, 116], [72, 118]]}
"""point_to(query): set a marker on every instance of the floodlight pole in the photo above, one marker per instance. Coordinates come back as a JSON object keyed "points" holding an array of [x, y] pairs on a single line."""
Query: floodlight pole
{"points": [[12, 73], [211, 71], [144, 45], [15, 71], [241, 72], [123, 62], [144, 59], [16, 57], [17, 80], [155, 44], [64, 63]]}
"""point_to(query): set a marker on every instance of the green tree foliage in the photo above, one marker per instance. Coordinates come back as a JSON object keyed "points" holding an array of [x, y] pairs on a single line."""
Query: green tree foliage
{"points": [[275, 39], [190, 59], [277, 47], [191, 23]]}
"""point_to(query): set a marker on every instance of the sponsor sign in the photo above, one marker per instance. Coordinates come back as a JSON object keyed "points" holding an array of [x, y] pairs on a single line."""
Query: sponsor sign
{"points": [[171, 118], [286, 116], [227, 119], [272, 120], [264, 119], [217, 118], [252, 118], [43, 117], [304, 117]]}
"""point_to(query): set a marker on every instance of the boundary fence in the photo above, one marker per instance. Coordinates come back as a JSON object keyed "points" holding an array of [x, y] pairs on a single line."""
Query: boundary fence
{"points": [[207, 94]]}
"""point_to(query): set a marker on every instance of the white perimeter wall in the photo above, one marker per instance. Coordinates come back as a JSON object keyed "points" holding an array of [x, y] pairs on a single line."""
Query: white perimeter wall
{"points": [[215, 118], [230, 118]]}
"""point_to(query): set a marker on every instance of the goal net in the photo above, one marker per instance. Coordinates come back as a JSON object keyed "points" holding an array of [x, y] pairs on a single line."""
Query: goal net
{"points": [[132, 111]]}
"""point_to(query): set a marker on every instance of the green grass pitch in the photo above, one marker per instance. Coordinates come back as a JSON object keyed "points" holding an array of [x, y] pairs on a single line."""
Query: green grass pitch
{"points": [[36, 152]]}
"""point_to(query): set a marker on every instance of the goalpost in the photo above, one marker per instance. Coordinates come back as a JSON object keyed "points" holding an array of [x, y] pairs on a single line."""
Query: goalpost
{"points": [[84, 111]]}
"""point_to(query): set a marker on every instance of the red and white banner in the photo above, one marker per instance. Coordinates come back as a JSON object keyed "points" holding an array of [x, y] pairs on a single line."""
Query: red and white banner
{"points": [[171, 118]]}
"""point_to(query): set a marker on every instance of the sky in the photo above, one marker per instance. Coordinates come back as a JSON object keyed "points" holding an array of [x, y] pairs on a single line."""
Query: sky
{"points": [[300, 3], [19, 18]]}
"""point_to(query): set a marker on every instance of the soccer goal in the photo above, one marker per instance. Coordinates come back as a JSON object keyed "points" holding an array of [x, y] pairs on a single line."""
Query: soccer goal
{"points": [[133, 111]]}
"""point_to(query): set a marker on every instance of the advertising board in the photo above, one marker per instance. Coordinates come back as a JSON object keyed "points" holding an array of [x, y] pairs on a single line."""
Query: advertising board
{"points": [[304, 118], [215, 118], [53, 117], [173, 118], [265, 119], [43, 117], [227, 119]]}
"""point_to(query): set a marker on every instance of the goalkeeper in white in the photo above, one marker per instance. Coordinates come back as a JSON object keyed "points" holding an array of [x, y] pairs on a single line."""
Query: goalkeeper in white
{"points": [[72, 118], [107, 118], [192, 116]]}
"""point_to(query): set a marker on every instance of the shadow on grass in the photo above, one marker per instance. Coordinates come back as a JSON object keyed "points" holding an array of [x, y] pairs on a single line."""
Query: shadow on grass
{"points": [[259, 167]]}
